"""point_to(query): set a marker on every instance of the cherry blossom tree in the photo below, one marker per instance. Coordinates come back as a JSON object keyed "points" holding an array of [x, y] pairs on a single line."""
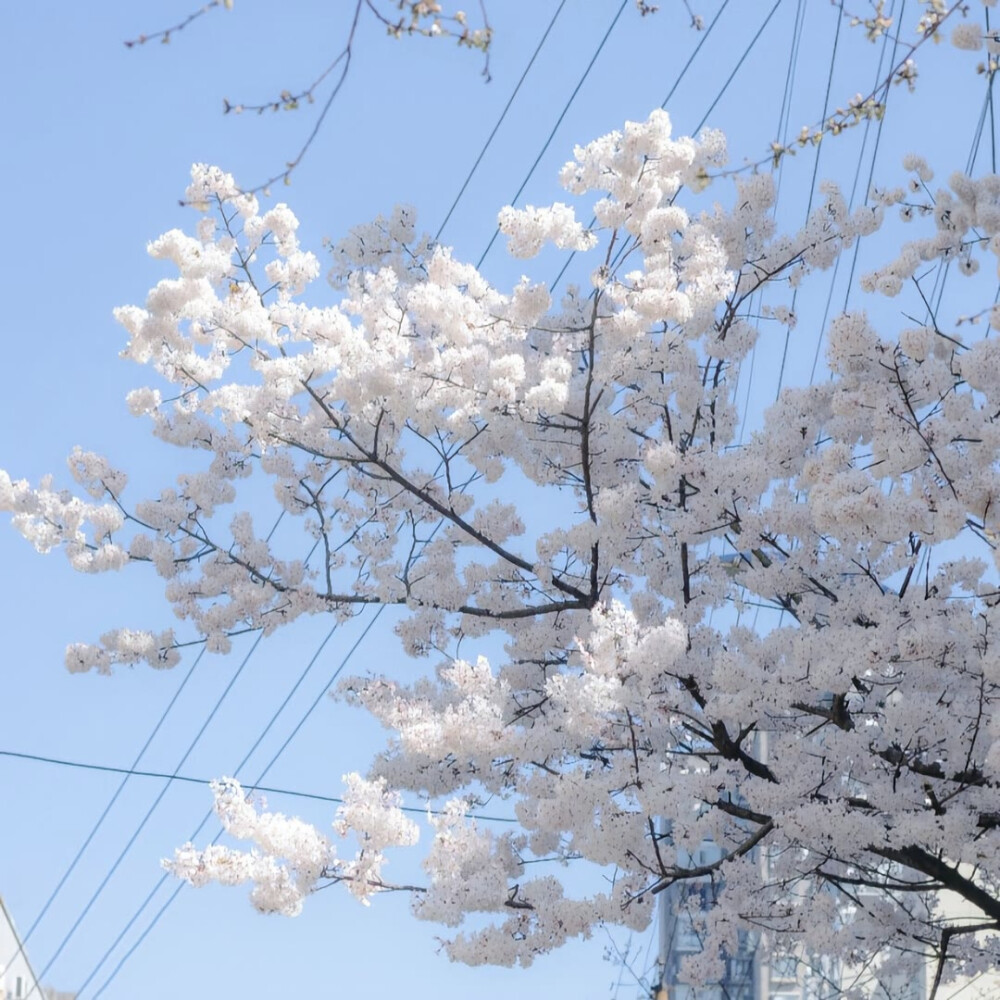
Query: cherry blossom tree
{"points": [[569, 477]]}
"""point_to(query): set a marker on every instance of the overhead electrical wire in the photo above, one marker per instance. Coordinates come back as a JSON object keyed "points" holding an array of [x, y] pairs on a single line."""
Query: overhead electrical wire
{"points": [[871, 171], [694, 53], [127, 772], [853, 195], [188, 779], [781, 133], [990, 78], [943, 267], [739, 64], [785, 114], [146, 817], [485, 252], [499, 121], [118, 791], [323, 691], [316, 701], [812, 186], [812, 194], [680, 76], [720, 93], [208, 815], [555, 127]]}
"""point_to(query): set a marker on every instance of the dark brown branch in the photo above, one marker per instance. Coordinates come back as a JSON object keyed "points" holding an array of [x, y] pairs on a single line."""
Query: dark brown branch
{"points": [[528, 611], [681, 874], [923, 861], [367, 456]]}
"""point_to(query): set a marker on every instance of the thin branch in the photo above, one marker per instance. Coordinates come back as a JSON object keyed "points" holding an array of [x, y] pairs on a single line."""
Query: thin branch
{"points": [[164, 33]]}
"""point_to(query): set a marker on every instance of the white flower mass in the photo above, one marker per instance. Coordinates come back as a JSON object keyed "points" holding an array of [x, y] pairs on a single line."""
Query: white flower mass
{"points": [[854, 743]]}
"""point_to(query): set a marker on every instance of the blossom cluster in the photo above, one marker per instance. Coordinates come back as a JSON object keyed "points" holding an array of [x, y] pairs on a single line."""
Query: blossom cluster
{"points": [[850, 740], [289, 856]]}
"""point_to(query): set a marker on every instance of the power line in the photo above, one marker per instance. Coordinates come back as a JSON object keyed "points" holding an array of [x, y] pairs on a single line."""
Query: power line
{"points": [[266, 789], [552, 133], [725, 86], [850, 203], [781, 133], [784, 115], [451, 210], [719, 95], [100, 819], [170, 778], [812, 186], [943, 267], [993, 124], [524, 183], [149, 812], [236, 770], [499, 121], [694, 53], [316, 701], [142, 937], [121, 787], [736, 68], [208, 815]]}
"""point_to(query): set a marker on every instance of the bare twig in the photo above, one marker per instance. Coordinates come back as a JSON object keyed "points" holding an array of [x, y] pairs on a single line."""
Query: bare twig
{"points": [[164, 33], [414, 18]]}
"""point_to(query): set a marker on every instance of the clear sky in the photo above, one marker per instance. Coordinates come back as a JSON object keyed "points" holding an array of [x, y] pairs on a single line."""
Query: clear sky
{"points": [[98, 140]]}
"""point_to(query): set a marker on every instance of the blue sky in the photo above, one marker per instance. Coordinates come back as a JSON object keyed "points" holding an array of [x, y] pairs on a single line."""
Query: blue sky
{"points": [[98, 142]]}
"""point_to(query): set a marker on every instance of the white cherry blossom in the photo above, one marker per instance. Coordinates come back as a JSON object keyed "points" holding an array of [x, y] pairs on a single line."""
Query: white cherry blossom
{"points": [[846, 748]]}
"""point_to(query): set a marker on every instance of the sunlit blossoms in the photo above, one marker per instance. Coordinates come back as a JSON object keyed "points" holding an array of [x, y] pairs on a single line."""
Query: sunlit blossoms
{"points": [[569, 477]]}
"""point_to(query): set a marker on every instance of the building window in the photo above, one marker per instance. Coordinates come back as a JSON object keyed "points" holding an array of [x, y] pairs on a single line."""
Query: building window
{"points": [[784, 968]]}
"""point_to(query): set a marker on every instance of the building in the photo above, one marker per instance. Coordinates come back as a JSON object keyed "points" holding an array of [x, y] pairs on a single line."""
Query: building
{"points": [[17, 978], [753, 973], [756, 973]]}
